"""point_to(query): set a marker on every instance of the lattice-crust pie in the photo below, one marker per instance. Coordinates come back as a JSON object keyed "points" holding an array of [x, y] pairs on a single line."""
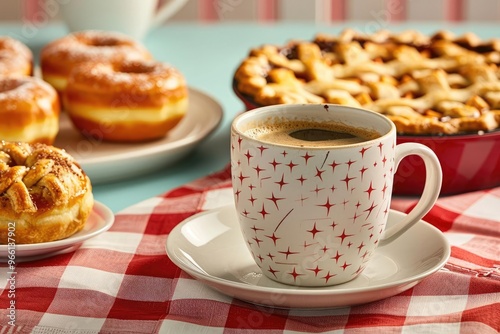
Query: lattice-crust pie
{"points": [[440, 84]]}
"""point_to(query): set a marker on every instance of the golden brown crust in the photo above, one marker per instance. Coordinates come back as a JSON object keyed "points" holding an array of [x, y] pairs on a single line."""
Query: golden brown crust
{"points": [[29, 110], [59, 57], [15, 58], [126, 101], [451, 84], [43, 192]]}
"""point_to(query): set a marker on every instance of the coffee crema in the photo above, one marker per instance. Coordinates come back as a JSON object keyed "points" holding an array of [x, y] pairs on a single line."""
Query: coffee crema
{"points": [[304, 133]]}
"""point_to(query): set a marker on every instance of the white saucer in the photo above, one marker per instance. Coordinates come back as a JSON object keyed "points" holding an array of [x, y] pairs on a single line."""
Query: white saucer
{"points": [[210, 248], [107, 161], [100, 220]]}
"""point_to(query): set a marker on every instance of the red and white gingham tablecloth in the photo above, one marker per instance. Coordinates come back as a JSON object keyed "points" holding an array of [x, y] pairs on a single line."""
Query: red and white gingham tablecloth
{"points": [[122, 281]]}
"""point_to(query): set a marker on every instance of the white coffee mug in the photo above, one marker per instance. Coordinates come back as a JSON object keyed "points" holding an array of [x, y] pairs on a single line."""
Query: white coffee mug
{"points": [[313, 215], [132, 17]]}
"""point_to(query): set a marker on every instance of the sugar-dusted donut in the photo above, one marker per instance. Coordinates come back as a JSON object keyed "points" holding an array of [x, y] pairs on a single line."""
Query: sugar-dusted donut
{"points": [[15, 57], [44, 194], [126, 101], [29, 110], [59, 57]]}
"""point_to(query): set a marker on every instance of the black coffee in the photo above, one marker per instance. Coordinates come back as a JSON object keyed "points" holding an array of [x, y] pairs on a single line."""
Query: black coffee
{"points": [[319, 135], [310, 134]]}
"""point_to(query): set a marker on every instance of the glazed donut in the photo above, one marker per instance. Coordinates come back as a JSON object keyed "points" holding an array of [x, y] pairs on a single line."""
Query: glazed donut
{"points": [[29, 110], [43, 191], [15, 57], [59, 57], [128, 101]]}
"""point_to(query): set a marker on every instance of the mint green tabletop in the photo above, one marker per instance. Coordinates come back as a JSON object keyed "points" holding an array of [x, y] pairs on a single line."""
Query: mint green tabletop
{"points": [[207, 55]]}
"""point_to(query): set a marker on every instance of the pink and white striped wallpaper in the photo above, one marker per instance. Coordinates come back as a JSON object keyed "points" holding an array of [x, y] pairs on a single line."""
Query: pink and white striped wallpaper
{"points": [[306, 10]]}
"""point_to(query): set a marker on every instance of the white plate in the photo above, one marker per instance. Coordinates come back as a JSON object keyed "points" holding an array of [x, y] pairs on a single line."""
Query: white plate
{"points": [[107, 161], [100, 220], [209, 247]]}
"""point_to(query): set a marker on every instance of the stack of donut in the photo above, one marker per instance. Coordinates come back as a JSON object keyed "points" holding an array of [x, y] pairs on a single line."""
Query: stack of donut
{"points": [[111, 87], [29, 107]]}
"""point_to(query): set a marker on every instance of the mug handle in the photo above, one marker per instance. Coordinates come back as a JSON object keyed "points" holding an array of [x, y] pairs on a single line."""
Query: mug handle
{"points": [[431, 191], [167, 10]]}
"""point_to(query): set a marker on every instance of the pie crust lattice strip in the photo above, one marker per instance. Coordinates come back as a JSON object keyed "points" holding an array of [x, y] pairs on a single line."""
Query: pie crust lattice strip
{"points": [[440, 84]]}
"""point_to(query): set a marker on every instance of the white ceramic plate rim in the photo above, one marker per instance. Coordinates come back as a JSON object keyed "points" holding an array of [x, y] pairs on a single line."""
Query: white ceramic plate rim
{"points": [[100, 212], [331, 291]]}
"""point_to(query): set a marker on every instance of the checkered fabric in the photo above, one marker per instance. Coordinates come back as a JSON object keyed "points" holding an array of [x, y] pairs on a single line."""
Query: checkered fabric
{"points": [[123, 282]]}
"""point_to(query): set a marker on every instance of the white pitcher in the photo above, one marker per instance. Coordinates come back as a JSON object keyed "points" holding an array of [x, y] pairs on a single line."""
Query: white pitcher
{"points": [[132, 17]]}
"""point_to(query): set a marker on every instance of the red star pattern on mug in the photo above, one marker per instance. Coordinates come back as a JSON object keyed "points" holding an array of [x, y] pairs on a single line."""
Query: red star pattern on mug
{"points": [[312, 214]]}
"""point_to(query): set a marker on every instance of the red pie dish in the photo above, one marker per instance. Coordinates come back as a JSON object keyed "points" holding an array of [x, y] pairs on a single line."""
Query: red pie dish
{"points": [[469, 163]]}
